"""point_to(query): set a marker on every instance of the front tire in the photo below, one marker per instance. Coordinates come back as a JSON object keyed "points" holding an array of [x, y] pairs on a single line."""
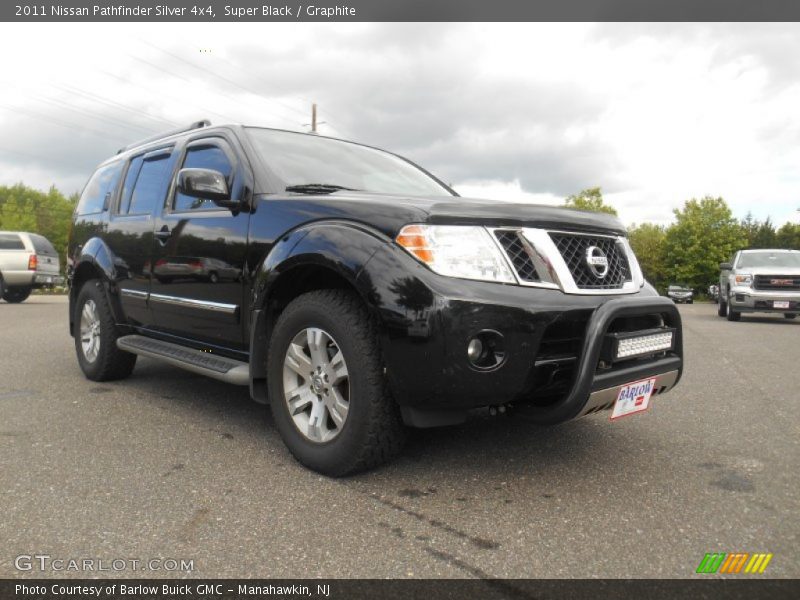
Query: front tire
{"points": [[15, 295], [722, 307], [328, 394], [732, 314], [96, 336]]}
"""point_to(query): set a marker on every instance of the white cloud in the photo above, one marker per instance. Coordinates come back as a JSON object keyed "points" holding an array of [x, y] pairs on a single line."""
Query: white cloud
{"points": [[654, 114]]}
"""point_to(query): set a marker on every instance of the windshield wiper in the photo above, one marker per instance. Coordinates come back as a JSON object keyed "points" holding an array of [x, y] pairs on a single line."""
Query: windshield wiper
{"points": [[318, 188]]}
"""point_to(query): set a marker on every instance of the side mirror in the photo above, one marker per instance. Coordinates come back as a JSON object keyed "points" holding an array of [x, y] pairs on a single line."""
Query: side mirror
{"points": [[725, 266], [206, 184]]}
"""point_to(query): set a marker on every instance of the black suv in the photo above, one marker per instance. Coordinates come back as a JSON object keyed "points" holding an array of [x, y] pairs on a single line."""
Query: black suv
{"points": [[355, 292]]}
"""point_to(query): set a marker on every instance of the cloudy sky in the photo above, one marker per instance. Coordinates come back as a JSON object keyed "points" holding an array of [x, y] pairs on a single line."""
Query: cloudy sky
{"points": [[654, 114]]}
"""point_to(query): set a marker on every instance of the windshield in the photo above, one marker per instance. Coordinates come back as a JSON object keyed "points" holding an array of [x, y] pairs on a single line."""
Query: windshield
{"points": [[768, 259], [308, 163], [678, 288]]}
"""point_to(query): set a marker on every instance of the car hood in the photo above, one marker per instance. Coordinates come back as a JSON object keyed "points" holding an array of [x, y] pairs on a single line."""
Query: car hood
{"points": [[389, 213], [792, 271]]}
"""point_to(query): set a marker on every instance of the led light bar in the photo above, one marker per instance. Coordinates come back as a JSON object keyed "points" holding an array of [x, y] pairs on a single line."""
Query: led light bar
{"points": [[629, 347]]}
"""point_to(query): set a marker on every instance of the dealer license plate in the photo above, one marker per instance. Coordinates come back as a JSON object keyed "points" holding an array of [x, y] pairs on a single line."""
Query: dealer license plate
{"points": [[633, 398], [780, 304]]}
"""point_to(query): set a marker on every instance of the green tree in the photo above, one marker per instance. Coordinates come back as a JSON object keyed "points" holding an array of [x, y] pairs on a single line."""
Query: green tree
{"points": [[647, 241], [703, 235], [759, 234], [788, 236], [23, 208], [589, 199]]}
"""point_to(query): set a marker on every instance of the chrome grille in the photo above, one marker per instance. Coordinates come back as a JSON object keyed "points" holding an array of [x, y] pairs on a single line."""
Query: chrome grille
{"points": [[573, 249], [786, 283], [517, 254]]}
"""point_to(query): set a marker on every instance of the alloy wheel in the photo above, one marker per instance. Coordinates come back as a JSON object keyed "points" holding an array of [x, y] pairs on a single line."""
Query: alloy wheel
{"points": [[316, 385]]}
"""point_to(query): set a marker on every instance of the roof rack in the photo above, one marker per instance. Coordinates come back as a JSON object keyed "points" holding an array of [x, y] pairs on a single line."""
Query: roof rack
{"points": [[195, 125]]}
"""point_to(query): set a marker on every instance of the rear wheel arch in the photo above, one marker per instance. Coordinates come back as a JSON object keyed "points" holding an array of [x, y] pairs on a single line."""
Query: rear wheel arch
{"points": [[85, 272]]}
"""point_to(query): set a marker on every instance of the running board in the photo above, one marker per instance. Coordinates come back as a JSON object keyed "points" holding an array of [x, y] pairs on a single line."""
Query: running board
{"points": [[196, 361]]}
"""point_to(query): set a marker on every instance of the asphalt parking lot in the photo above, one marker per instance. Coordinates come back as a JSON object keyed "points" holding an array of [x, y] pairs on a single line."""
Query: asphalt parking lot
{"points": [[168, 464]]}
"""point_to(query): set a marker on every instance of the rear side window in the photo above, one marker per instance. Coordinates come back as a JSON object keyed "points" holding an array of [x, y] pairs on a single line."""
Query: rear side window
{"points": [[42, 245], [151, 176], [99, 190], [203, 157], [11, 241]]}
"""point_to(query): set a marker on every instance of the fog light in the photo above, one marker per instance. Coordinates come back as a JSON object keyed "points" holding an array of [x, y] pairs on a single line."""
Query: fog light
{"points": [[644, 344], [485, 350], [474, 349]]}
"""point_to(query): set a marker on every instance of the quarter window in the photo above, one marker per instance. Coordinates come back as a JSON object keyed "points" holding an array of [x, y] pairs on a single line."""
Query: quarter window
{"points": [[11, 241], [99, 190], [203, 157]]}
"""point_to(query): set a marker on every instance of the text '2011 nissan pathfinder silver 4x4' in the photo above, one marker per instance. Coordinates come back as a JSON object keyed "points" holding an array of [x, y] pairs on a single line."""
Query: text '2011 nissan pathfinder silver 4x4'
{"points": [[367, 295], [760, 281]]}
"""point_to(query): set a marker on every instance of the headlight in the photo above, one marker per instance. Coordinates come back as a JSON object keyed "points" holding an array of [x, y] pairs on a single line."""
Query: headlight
{"points": [[743, 279], [456, 251]]}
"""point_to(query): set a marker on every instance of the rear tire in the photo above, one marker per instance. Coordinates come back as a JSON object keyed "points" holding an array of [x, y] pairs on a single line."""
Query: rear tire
{"points": [[96, 336], [372, 431], [789, 315], [15, 295]]}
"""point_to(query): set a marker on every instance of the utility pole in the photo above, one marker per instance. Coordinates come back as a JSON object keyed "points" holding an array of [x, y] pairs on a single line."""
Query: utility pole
{"points": [[314, 121]]}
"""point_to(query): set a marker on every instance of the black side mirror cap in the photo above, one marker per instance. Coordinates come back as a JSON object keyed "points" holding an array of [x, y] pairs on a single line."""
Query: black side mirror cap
{"points": [[207, 184], [725, 266]]}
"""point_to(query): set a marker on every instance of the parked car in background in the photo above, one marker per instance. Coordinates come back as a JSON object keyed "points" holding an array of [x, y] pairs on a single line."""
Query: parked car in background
{"points": [[760, 281], [27, 261], [713, 292], [680, 294]]}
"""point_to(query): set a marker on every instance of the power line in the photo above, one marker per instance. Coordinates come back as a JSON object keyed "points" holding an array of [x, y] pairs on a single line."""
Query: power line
{"points": [[70, 107], [102, 100], [206, 71], [40, 157], [58, 122]]}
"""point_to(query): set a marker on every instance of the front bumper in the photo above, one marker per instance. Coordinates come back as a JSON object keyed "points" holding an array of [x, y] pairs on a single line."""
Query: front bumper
{"points": [[746, 299], [552, 343]]}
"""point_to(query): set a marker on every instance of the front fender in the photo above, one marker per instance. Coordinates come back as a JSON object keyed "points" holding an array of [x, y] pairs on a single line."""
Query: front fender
{"points": [[341, 248]]}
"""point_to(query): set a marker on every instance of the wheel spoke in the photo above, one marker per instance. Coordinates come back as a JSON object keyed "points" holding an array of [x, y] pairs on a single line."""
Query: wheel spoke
{"points": [[297, 361], [339, 368], [317, 341], [299, 399], [337, 407], [316, 422]]}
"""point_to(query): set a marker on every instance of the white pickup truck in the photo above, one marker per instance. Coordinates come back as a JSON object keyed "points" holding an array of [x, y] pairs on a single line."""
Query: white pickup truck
{"points": [[760, 281], [27, 261]]}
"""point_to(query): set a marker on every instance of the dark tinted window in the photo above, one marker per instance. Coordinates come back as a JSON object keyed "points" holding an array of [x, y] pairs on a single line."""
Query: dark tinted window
{"points": [[151, 185], [299, 159], [127, 186], [11, 241], [42, 245], [203, 157], [100, 186]]}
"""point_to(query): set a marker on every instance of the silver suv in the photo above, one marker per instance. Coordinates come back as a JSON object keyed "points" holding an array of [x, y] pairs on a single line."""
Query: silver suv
{"points": [[27, 261], [760, 281]]}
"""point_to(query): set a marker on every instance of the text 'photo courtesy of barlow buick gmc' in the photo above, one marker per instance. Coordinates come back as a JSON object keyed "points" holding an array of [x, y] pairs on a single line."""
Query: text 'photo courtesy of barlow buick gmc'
{"points": [[760, 281], [357, 294]]}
